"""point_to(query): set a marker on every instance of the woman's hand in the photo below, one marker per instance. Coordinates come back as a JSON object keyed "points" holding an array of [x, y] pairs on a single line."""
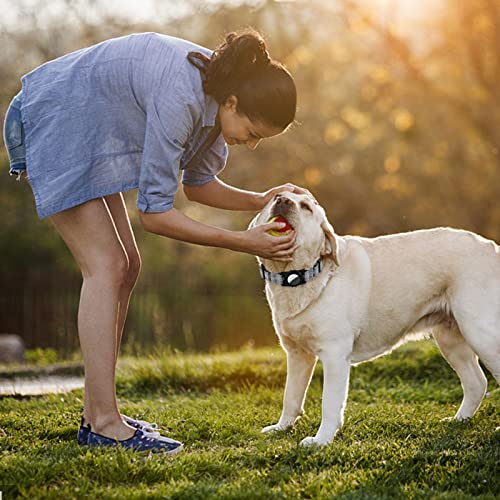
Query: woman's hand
{"points": [[268, 195], [257, 241]]}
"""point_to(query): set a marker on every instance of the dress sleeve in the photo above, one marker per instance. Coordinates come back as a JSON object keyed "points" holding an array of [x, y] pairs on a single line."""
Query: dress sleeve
{"points": [[212, 163], [170, 121]]}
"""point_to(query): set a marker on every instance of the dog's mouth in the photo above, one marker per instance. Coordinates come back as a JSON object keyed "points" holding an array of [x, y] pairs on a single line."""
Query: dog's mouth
{"points": [[286, 228], [285, 212]]}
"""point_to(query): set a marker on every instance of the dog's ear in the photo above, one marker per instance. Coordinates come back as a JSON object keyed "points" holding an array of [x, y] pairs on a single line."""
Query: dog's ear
{"points": [[330, 244]]}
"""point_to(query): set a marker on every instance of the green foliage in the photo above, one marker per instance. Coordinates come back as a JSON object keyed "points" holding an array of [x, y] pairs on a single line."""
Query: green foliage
{"points": [[393, 443], [26, 243], [40, 356]]}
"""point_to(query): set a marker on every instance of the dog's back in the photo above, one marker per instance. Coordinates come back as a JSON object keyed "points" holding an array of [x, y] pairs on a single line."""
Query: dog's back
{"points": [[426, 278]]}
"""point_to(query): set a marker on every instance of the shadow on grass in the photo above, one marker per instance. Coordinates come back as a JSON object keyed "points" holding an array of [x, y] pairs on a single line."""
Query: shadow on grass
{"points": [[415, 362], [449, 464]]}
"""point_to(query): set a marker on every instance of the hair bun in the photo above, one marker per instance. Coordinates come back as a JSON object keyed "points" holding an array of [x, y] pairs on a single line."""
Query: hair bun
{"points": [[249, 47]]}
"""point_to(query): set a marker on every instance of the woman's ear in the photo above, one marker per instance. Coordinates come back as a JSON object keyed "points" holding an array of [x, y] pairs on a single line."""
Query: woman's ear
{"points": [[330, 244], [231, 103]]}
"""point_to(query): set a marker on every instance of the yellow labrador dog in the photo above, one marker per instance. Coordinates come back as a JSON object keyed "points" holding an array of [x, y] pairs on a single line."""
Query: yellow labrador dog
{"points": [[349, 299]]}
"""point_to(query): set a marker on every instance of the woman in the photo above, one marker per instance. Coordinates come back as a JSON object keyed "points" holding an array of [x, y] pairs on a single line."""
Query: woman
{"points": [[129, 113]]}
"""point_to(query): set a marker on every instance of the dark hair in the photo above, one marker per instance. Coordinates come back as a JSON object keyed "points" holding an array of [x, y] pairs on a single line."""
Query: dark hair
{"points": [[241, 66]]}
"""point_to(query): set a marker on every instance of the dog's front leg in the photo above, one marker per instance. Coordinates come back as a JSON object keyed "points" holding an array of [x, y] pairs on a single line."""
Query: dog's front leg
{"points": [[336, 366], [300, 366]]}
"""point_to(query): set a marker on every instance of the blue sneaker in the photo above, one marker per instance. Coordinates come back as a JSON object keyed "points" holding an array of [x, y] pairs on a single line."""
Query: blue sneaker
{"points": [[150, 428], [83, 434], [140, 441]]}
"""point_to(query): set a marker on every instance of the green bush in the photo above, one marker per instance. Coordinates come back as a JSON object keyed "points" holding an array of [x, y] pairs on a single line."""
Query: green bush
{"points": [[40, 356]]}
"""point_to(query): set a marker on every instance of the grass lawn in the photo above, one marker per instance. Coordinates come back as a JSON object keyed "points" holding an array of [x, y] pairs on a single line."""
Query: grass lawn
{"points": [[393, 443]]}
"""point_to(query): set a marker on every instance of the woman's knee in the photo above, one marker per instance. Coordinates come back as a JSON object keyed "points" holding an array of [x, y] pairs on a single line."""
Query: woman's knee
{"points": [[124, 270], [109, 270], [133, 269], [119, 273]]}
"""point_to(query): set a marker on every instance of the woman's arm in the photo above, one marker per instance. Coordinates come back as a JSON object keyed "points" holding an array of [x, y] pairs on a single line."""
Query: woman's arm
{"points": [[255, 241], [221, 195]]}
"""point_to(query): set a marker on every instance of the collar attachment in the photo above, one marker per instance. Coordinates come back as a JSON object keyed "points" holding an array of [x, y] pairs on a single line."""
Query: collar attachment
{"points": [[292, 278]]}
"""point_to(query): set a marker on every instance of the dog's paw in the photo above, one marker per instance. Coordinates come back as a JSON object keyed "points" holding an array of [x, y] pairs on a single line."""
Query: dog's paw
{"points": [[316, 441], [274, 428], [462, 418], [310, 441], [456, 418]]}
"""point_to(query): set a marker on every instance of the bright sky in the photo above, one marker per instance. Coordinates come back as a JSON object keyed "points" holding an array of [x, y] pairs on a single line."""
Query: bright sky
{"points": [[404, 11], [410, 10], [136, 11]]}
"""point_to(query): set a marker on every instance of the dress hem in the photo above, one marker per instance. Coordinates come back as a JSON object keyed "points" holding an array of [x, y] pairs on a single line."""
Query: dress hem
{"points": [[60, 205]]}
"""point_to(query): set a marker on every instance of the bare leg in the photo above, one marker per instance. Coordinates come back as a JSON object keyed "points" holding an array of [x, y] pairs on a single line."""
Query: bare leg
{"points": [[121, 221], [118, 211], [91, 236]]}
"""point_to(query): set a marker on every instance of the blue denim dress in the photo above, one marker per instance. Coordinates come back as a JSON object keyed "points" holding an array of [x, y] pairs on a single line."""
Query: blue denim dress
{"points": [[13, 137], [126, 113]]}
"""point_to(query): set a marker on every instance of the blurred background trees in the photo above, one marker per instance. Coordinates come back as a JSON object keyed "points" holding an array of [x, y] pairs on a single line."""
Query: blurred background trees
{"points": [[398, 129]]}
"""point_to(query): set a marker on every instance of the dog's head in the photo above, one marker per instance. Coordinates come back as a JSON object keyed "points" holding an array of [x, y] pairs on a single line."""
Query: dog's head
{"points": [[315, 235]]}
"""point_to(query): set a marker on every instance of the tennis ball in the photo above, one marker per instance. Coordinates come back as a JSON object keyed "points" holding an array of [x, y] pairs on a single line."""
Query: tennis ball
{"points": [[280, 232]]}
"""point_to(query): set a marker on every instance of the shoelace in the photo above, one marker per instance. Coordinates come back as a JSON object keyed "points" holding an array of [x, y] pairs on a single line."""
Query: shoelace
{"points": [[153, 434], [150, 429], [148, 425]]}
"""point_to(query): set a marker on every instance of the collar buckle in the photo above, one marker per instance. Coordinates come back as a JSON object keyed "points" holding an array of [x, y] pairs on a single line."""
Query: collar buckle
{"points": [[292, 278]]}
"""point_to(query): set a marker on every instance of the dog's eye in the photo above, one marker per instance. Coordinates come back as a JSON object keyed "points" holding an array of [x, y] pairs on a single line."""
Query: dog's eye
{"points": [[305, 205]]}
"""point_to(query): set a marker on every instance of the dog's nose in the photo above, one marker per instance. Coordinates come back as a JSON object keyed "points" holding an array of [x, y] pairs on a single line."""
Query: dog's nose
{"points": [[282, 200]]}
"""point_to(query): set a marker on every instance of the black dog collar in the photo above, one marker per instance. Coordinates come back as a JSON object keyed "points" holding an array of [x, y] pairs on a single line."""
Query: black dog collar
{"points": [[292, 278]]}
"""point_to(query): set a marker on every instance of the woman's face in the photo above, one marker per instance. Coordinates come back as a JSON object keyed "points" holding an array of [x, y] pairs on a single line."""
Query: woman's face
{"points": [[239, 129]]}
